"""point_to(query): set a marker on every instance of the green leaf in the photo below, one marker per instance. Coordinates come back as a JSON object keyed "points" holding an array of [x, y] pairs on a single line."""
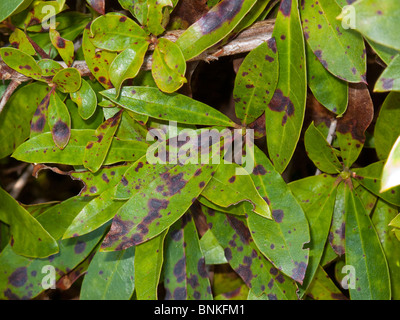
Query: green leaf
{"points": [[21, 62], [381, 217], [94, 215], [41, 149], [138, 8], [230, 185], [116, 32], [148, 263], [350, 130], [176, 107], [385, 53], [389, 80], [338, 226], [320, 151], [169, 66], [110, 276], [86, 100], [391, 170], [64, 47], [376, 20], [29, 238], [17, 113], [238, 209], [7, 8], [246, 260], [387, 126], [316, 194], [68, 80], [341, 52], [213, 26], [127, 64], [39, 121], [285, 112], [329, 90], [156, 20], [39, 12], [59, 120], [19, 40], [185, 274], [98, 61], [256, 81], [156, 202], [96, 150], [282, 239], [364, 253], [76, 120], [323, 288], [19, 272], [49, 67], [212, 250], [96, 183], [372, 178]]}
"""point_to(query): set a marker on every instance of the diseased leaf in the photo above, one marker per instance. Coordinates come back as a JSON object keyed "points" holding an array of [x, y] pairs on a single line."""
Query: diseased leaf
{"points": [[98, 61], [247, 261], [391, 170], [316, 194], [282, 239], [213, 26], [39, 122], [110, 276], [19, 40], [376, 19], [17, 113], [351, 127], [94, 215], [364, 253], [285, 112], [68, 80], [230, 185], [28, 237], [390, 77], [98, 5], [41, 149], [338, 227], [329, 90], [115, 32], [323, 288], [49, 67], [320, 151], [156, 19], [86, 100], [148, 263], [371, 178], [64, 47], [169, 66], [185, 274], [59, 120], [96, 183], [21, 62], [340, 51], [155, 203], [96, 150], [387, 126], [176, 107], [256, 81], [127, 64], [381, 217]]}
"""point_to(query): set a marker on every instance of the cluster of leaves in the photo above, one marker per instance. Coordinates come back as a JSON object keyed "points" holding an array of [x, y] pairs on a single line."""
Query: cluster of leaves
{"points": [[137, 226]]}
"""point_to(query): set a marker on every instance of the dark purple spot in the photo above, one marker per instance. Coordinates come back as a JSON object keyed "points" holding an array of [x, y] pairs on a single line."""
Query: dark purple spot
{"points": [[259, 170], [232, 179], [180, 270], [277, 215], [299, 272], [60, 43], [79, 247], [19, 277], [269, 58], [105, 178], [286, 7], [387, 84], [179, 294]]}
